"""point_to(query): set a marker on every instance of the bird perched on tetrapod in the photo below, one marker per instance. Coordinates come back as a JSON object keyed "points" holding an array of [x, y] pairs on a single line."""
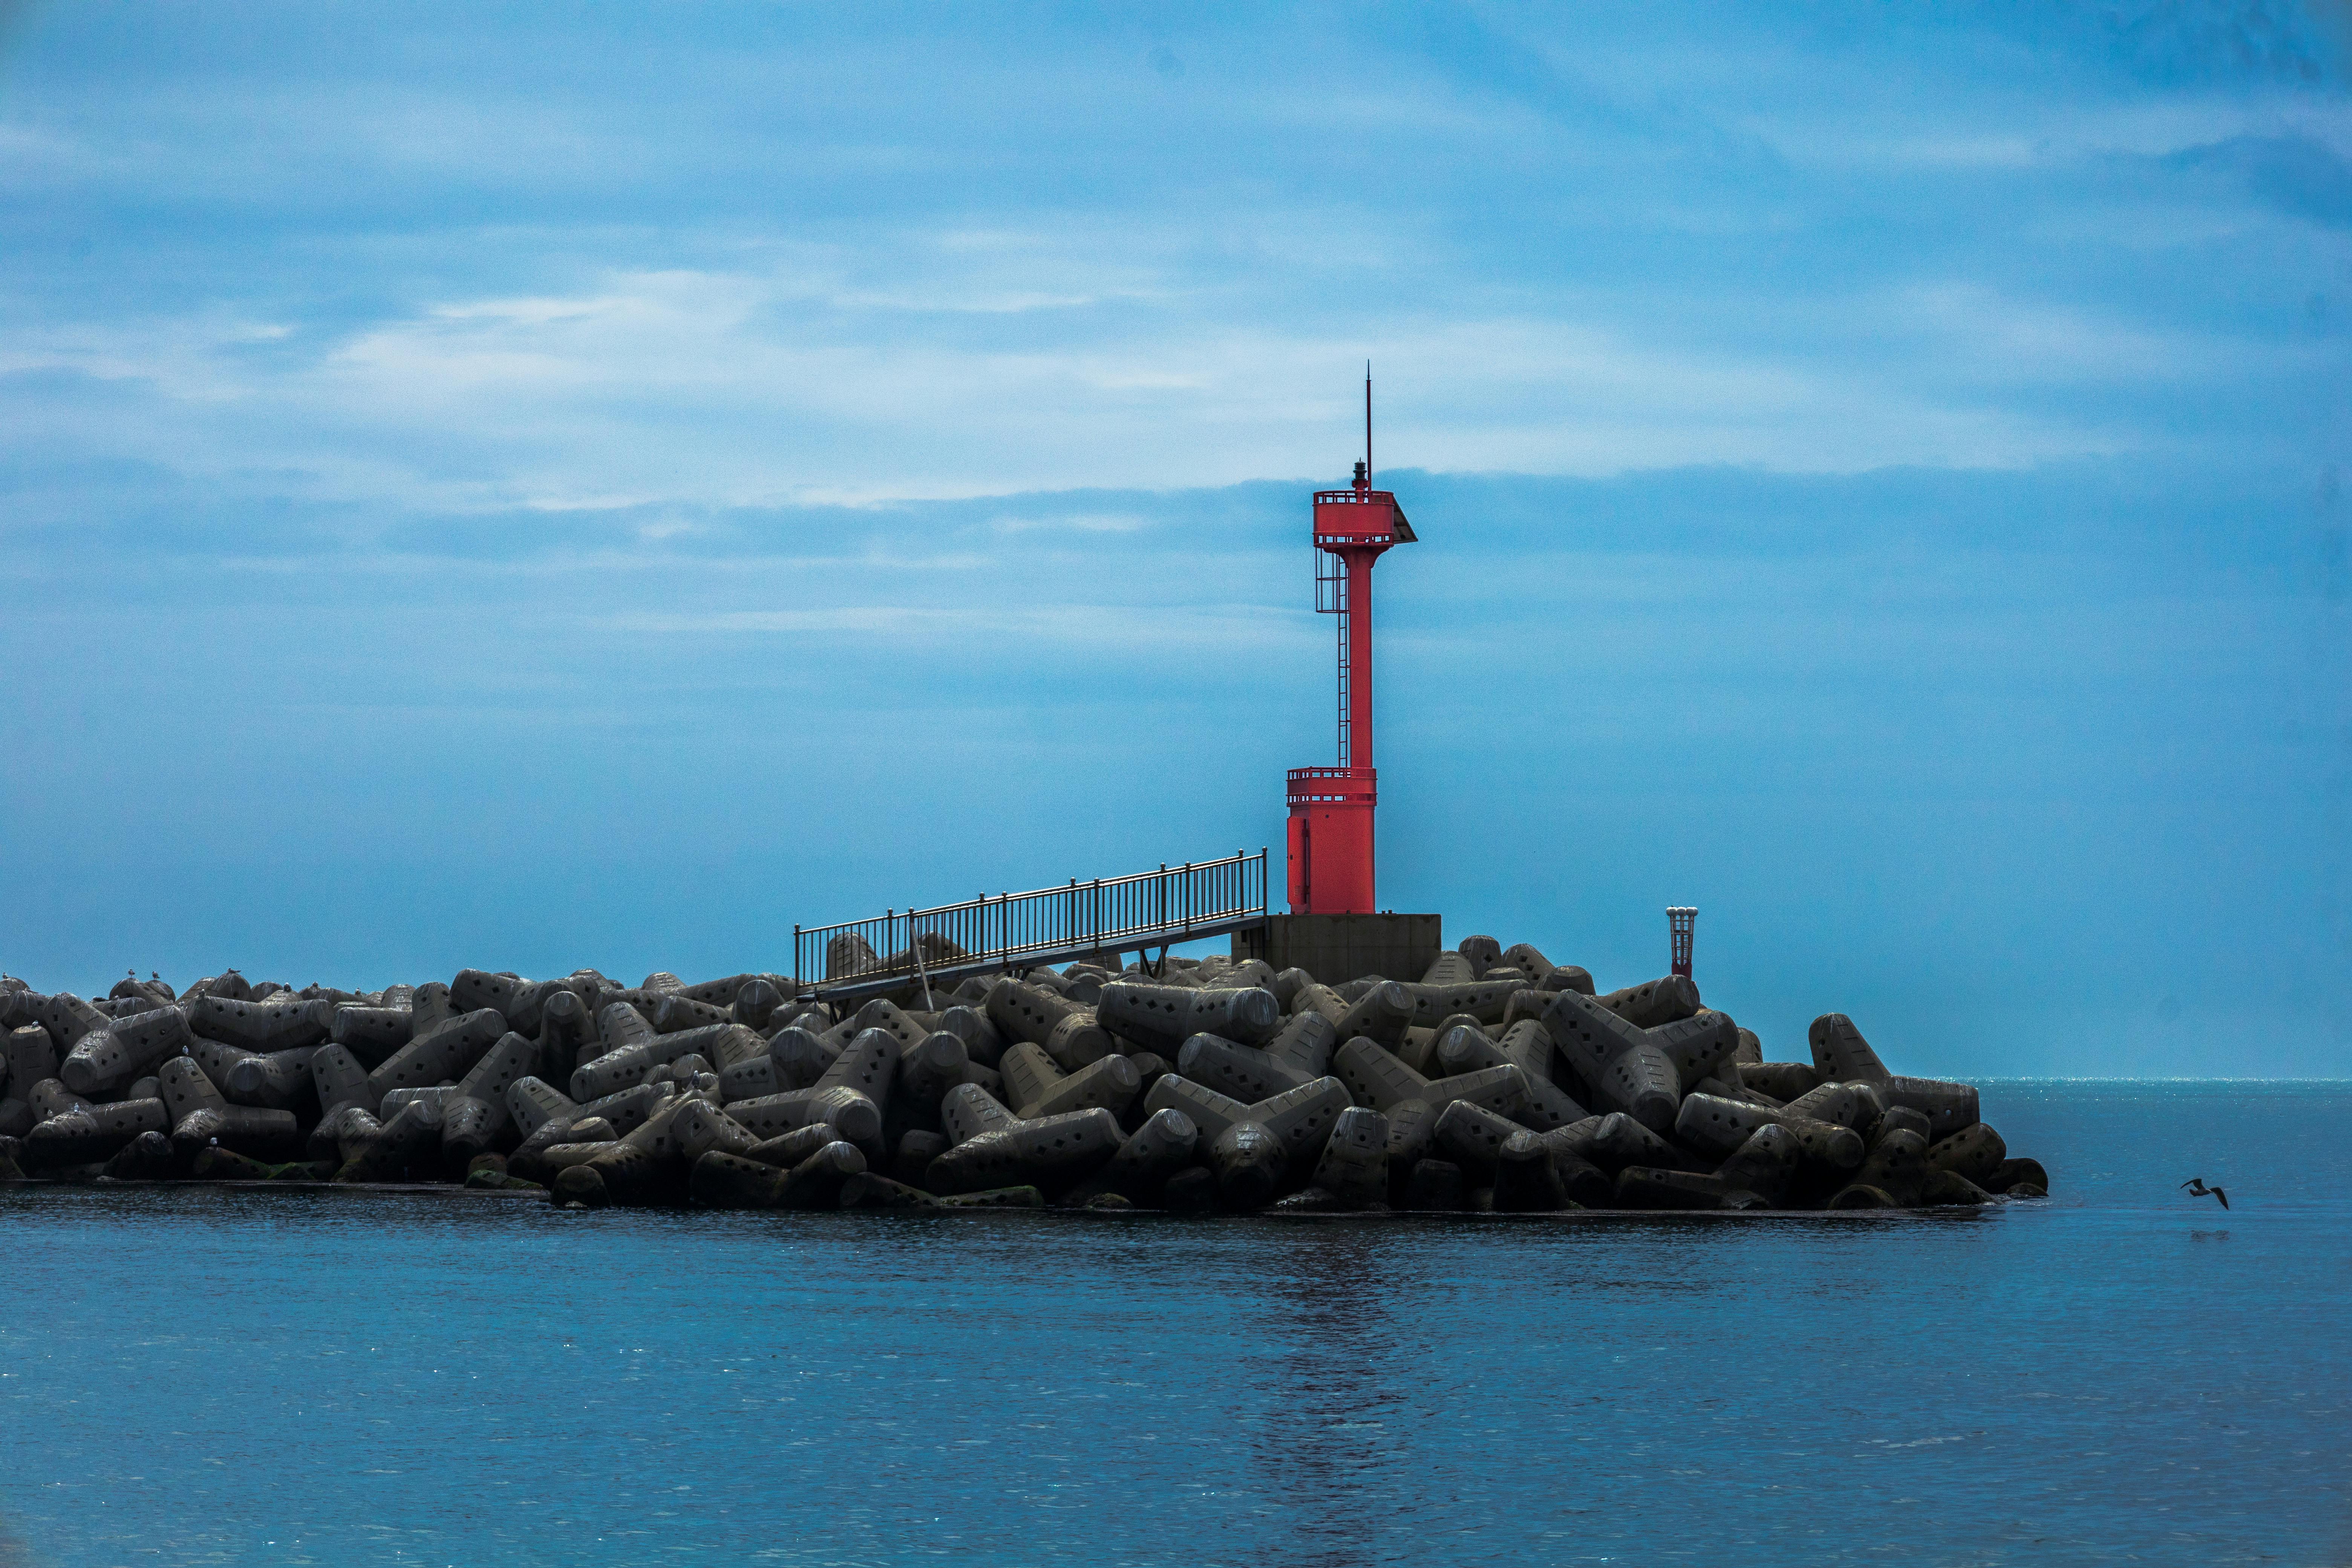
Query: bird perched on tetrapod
{"points": [[2196, 1188]]}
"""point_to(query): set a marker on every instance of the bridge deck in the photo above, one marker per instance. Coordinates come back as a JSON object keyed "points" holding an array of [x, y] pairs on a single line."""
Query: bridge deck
{"points": [[1049, 925]]}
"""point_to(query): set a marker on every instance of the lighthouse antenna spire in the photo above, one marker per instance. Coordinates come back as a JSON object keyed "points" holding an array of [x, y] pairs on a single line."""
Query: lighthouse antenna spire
{"points": [[1368, 422]]}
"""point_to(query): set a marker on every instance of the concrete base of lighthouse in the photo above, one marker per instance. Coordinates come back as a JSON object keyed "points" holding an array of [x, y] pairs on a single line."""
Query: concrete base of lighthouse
{"points": [[1335, 949]]}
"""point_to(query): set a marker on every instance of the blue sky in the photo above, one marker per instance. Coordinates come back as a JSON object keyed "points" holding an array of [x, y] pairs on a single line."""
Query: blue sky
{"points": [[560, 486]]}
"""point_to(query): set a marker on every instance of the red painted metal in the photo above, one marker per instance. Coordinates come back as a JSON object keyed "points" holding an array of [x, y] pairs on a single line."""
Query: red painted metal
{"points": [[1330, 839], [1331, 860]]}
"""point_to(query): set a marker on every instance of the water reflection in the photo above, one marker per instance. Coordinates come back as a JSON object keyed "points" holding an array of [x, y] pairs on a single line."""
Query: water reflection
{"points": [[1339, 1423]]}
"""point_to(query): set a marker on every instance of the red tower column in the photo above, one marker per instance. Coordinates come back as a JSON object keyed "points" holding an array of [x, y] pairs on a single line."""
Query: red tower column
{"points": [[1355, 742]]}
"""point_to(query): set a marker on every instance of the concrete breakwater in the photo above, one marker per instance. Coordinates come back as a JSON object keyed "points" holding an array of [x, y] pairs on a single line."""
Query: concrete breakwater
{"points": [[1496, 1080]]}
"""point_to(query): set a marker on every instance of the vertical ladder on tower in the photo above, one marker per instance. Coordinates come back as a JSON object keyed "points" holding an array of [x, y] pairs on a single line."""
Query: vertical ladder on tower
{"points": [[1331, 599]]}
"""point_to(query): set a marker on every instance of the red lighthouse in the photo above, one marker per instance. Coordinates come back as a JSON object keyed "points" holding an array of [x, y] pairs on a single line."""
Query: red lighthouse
{"points": [[1330, 836]]}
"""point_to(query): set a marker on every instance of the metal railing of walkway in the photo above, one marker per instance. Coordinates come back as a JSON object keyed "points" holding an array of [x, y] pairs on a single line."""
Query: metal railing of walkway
{"points": [[1021, 930]]}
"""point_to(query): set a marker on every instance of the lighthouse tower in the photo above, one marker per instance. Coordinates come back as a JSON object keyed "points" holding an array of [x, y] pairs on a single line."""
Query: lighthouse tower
{"points": [[1330, 839]]}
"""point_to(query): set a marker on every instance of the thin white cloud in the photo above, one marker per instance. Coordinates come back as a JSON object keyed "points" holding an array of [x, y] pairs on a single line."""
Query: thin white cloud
{"points": [[1073, 522], [2023, 132], [1223, 625], [712, 389]]}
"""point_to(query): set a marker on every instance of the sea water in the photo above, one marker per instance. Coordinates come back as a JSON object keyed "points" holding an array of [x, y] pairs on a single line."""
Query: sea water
{"points": [[2121, 1374]]}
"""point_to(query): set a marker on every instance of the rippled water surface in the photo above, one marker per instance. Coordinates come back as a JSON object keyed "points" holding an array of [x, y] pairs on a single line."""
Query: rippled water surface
{"points": [[2120, 1375]]}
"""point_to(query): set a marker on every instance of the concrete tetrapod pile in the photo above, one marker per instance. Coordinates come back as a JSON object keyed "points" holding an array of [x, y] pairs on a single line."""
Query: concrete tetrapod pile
{"points": [[1497, 1080]]}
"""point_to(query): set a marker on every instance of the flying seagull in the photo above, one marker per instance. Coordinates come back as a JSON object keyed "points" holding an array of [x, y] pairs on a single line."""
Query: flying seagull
{"points": [[2198, 1189]]}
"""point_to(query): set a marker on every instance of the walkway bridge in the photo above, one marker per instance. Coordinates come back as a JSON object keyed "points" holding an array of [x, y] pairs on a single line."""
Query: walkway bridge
{"points": [[1021, 930]]}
